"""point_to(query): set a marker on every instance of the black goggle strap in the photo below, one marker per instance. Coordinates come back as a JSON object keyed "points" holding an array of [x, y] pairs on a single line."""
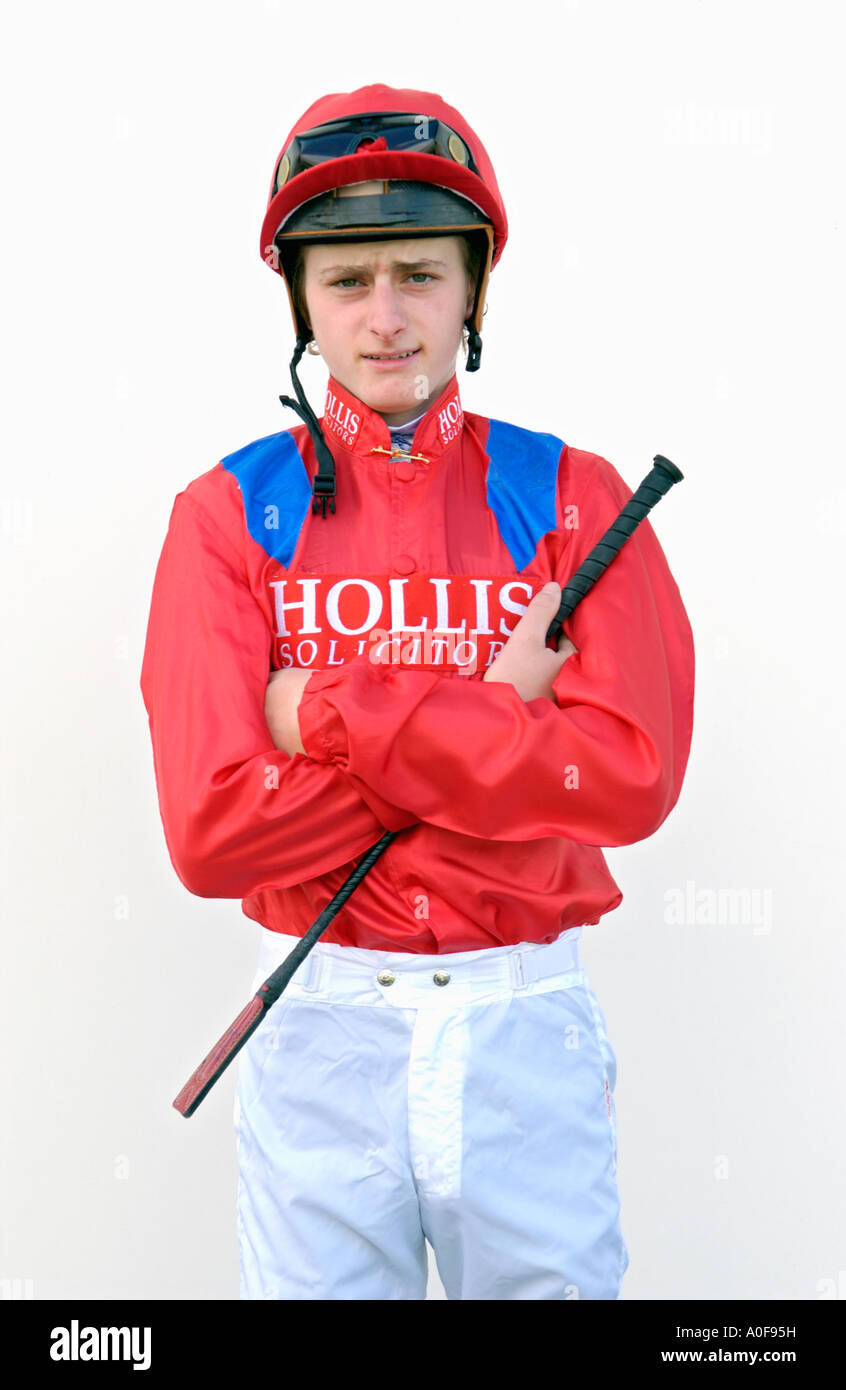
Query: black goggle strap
{"points": [[323, 488]]}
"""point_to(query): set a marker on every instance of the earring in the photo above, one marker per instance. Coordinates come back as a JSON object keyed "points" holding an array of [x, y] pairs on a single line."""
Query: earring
{"points": [[313, 348]]}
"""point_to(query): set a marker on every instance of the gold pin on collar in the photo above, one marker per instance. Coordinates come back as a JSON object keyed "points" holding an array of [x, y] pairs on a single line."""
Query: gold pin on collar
{"points": [[399, 454]]}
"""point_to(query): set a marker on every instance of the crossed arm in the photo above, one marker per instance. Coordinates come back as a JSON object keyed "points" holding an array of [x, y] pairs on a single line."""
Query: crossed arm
{"points": [[592, 748]]}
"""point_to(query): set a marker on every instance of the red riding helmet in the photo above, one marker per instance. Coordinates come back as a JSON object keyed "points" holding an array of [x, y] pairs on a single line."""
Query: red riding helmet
{"points": [[436, 178]]}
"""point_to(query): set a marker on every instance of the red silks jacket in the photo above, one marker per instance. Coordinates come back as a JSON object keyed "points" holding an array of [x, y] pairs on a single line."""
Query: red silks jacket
{"points": [[399, 602]]}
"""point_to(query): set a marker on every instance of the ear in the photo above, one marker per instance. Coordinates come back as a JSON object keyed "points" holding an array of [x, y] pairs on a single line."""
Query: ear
{"points": [[472, 286]]}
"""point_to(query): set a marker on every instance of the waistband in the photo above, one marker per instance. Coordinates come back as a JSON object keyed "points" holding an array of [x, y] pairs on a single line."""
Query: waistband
{"points": [[355, 975]]}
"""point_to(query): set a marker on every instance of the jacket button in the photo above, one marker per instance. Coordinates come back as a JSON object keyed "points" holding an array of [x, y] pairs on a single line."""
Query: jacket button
{"points": [[385, 977], [404, 564], [441, 977]]}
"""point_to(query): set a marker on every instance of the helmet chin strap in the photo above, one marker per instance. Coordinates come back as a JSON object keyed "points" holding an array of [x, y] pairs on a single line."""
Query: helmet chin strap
{"points": [[323, 487]]}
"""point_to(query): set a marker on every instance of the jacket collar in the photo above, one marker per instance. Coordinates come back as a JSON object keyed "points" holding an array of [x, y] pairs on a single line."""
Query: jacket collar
{"points": [[362, 431]]}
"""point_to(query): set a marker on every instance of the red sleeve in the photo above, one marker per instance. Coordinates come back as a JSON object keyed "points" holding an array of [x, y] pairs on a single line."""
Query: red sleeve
{"points": [[239, 815], [603, 764]]}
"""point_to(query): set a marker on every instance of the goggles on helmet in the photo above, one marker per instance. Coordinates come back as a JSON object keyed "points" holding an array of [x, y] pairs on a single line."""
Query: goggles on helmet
{"points": [[379, 129]]}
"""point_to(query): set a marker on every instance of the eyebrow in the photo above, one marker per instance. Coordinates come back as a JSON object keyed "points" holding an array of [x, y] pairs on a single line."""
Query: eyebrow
{"points": [[364, 269]]}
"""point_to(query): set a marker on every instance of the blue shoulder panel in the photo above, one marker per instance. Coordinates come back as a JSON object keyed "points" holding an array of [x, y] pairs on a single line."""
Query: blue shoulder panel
{"points": [[522, 476], [276, 491]]}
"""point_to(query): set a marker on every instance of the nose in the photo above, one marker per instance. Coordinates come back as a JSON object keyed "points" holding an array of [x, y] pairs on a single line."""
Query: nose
{"points": [[386, 315]]}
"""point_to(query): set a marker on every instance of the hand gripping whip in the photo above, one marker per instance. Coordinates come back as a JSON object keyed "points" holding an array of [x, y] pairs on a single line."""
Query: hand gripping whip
{"points": [[658, 481]]}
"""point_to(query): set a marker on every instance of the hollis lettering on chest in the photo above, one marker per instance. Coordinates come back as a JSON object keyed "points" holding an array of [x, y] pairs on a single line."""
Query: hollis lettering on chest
{"points": [[337, 612]]}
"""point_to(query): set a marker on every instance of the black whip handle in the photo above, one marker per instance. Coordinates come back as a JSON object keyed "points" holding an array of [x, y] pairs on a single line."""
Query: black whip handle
{"points": [[659, 480]]}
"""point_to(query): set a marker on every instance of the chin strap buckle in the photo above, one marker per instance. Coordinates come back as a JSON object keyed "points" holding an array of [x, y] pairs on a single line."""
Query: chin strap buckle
{"points": [[474, 355], [323, 491]]}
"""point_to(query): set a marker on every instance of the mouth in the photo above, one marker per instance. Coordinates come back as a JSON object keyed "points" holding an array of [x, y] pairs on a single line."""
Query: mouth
{"points": [[391, 356]]}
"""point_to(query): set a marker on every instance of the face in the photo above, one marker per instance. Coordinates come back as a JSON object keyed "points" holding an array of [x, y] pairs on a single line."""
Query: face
{"points": [[370, 300]]}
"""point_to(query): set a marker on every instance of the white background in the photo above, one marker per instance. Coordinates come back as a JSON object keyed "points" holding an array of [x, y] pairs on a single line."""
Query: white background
{"points": [[673, 283]]}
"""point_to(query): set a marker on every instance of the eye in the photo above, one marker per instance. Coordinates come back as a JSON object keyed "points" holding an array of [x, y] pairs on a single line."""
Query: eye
{"points": [[419, 276]]}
